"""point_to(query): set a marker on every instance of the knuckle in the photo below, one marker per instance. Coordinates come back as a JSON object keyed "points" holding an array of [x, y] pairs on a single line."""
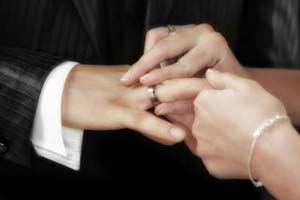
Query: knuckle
{"points": [[165, 73], [160, 47], [163, 48], [185, 70], [217, 36], [205, 28], [186, 73], [217, 39], [152, 33]]}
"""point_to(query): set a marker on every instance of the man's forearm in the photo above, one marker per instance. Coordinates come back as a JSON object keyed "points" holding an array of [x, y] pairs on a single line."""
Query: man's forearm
{"points": [[284, 84]]}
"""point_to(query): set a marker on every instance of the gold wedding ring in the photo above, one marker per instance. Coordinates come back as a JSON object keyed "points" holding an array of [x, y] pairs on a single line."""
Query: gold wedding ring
{"points": [[171, 30]]}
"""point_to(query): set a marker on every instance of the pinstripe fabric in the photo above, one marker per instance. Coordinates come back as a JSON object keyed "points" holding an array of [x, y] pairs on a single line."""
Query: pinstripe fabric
{"points": [[103, 32], [36, 35], [22, 73], [53, 27], [28, 30]]}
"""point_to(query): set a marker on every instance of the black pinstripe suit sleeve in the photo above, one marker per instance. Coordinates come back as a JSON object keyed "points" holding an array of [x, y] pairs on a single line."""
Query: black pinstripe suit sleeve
{"points": [[22, 74]]}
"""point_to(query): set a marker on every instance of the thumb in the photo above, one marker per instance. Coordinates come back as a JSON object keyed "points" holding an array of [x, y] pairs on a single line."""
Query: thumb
{"points": [[220, 80], [154, 127]]}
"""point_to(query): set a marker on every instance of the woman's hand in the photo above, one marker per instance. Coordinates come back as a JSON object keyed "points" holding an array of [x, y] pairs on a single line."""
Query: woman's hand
{"points": [[198, 47], [226, 111], [176, 97], [226, 117], [223, 117], [94, 99]]}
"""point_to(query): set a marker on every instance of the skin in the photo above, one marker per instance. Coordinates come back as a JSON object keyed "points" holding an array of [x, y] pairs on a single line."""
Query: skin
{"points": [[193, 49], [94, 99], [223, 134], [213, 121]]}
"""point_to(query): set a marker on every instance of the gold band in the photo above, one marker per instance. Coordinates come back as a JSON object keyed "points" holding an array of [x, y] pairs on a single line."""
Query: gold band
{"points": [[171, 30]]}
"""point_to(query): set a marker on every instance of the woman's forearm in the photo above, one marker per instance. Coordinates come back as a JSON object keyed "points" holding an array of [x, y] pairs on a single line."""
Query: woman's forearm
{"points": [[284, 84], [277, 161]]}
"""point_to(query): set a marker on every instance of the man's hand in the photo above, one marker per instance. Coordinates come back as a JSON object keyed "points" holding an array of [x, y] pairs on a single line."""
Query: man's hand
{"points": [[94, 99]]}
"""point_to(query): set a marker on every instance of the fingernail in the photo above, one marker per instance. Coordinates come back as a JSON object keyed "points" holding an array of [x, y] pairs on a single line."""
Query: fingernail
{"points": [[161, 112], [143, 79], [125, 77], [211, 71], [177, 133]]}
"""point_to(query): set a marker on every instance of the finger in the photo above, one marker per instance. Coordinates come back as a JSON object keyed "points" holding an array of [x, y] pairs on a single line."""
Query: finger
{"points": [[153, 36], [180, 89], [190, 64], [156, 34], [168, 62], [220, 80], [185, 120], [138, 98], [191, 143], [167, 48], [177, 107], [153, 127]]}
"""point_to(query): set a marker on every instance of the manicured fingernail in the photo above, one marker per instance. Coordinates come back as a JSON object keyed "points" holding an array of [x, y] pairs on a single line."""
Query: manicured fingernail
{"points": [[143, 79], [125, 78], [212, 71], [177, 133], [161, 112]]}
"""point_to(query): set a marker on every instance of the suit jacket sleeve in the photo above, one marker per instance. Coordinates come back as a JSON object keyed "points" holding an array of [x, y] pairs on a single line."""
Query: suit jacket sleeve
{"points": [[22, 74]]}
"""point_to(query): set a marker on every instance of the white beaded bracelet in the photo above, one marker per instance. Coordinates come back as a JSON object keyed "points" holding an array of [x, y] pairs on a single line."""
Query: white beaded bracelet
{"points": [[259, 131]]}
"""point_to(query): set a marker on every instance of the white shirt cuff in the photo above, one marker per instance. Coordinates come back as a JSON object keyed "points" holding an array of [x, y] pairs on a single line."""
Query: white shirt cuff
{"points": [[50, 139]]}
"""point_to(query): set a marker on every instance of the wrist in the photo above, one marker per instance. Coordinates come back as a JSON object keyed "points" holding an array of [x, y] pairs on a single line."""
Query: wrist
{"points": [[249, 73], [271, 147], [68, 98]]}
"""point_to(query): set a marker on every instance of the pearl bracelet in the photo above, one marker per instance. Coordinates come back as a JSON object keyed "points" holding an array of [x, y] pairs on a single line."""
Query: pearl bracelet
{"points": [[258, 132]]}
